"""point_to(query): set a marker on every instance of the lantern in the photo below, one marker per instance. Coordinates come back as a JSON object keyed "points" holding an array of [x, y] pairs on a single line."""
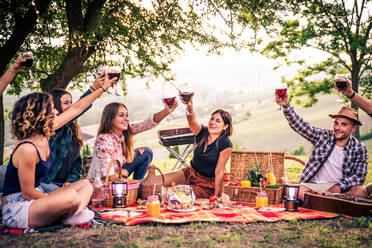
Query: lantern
{"points": [[119, 191], [291, 197]]}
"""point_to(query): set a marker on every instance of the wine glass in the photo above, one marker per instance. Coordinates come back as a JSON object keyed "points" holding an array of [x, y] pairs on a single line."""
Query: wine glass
{"points": [[169, 96], [186, 93], [114, 71], [28, 64], [281, 91], [340, 80]]}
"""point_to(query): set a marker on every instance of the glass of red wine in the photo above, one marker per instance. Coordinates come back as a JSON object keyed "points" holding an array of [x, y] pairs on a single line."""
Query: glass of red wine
{"points": [[186, 93], [340, 80], [28, 64], [169, 96], [281, 92], [114, 71]]}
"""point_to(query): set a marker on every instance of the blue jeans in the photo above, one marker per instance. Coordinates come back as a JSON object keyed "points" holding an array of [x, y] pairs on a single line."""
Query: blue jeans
{"points": [[139, 164], [49, 187]]}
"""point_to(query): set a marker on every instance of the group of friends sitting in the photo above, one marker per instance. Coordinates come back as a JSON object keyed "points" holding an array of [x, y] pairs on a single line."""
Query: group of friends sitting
{"points": [[42, 183]]}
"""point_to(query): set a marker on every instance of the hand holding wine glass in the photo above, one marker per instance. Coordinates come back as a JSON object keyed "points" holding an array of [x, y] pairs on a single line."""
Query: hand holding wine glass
{"points": [[114, 71], [281, 94], [343, 85], [169, 98], [280, 99], [340, 81], [28, 62], [107, 82]]}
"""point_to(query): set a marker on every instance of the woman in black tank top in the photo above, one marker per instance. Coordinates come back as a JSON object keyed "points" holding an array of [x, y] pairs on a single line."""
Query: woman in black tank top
{"points": [[206, 173], [33, 121]]}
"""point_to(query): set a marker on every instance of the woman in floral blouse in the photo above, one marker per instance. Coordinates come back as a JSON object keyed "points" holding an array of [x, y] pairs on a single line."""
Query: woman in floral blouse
{"points": [[115, 141]]}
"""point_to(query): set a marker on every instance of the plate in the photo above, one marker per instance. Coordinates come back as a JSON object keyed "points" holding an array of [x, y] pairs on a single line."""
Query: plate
{"points": [[183, 210], [270, 209]]}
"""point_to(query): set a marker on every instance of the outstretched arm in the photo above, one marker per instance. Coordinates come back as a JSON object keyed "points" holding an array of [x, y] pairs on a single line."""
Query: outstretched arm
{"points": [[78, 107], [8, 76], [296, 122], [359, 100]]}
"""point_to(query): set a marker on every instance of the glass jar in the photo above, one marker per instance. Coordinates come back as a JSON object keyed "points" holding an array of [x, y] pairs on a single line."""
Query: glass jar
{"points": [[262, 200], [153, 205]]}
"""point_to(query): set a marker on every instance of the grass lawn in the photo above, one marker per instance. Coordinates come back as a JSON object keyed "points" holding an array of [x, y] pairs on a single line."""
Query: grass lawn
{"points": [[338, 232]]}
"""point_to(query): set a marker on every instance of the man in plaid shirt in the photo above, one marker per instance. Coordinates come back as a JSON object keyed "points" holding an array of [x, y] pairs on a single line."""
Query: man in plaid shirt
{"points": [[338, 162]]}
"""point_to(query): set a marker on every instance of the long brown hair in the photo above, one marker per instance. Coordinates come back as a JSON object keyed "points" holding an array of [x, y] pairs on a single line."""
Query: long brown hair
{"points": [[77, 136], [227, 120], [108, 115]]}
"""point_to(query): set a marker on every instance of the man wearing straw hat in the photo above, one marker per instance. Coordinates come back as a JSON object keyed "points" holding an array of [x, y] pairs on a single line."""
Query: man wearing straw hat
{"points": [[338, 162]]}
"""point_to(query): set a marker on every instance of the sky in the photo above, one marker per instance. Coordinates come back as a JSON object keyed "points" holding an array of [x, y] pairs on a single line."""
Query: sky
{"points": [[231, 71]]}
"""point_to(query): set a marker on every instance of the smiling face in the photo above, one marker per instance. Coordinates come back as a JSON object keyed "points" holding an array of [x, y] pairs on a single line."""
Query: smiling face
{"points": [[343, 128], [216, 124], [66, 102], [121, 121]]}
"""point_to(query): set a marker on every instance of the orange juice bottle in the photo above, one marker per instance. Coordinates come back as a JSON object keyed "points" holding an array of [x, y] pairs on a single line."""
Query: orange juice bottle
{"points": [[261, 199], [153, 205]]}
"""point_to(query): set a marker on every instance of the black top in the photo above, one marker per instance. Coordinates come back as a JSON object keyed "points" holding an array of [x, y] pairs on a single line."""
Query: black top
{"points": [[205, 163], [73, 153], [11, 180]]}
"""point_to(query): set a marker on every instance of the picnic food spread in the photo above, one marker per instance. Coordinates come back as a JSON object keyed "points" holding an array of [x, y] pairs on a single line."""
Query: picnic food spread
{"points": [[180, 197]]}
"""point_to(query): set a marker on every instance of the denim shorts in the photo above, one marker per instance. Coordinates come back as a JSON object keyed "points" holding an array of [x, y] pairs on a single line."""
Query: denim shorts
{"points": [[15, 212]]}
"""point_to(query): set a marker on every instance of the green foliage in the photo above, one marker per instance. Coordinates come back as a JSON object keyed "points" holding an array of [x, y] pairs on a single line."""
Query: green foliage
{"points": [[366, 136], [339, 32], [74, 38], [86, 151], [300, 150], [176, 149]]}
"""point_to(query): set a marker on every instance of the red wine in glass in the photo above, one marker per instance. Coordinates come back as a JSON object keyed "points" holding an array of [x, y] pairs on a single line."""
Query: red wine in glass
{"points": [[169, 101], [280, 92], [341, 85], [28, 63], [111, 75], [186, 96]]}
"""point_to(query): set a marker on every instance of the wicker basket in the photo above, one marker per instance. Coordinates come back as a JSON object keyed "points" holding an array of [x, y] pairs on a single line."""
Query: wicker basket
{"points": [[147, 185], [133, 186], [240, 165]]}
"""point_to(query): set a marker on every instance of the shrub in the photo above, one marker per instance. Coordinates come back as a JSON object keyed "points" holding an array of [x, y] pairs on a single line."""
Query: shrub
{"points": [[176, 149], [299, 151]]}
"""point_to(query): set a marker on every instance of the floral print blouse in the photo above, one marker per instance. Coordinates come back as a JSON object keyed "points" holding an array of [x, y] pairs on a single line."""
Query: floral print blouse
{"points": [[108, 147]]}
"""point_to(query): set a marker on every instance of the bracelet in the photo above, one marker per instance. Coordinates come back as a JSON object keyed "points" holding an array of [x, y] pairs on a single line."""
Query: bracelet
{"points": [[100, 87], [92, 89], [352, 95]]}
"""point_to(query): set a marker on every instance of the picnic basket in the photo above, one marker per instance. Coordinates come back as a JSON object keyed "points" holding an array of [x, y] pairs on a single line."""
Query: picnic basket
{"points": [[240, 165], [133, 186]]}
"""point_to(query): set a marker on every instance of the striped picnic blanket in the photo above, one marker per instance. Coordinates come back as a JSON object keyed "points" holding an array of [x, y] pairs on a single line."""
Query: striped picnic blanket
{"points": [[247, 214]]}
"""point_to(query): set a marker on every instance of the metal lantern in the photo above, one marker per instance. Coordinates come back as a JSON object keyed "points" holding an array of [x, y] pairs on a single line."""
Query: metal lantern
{"points": [[291, 197], [119, 191]]}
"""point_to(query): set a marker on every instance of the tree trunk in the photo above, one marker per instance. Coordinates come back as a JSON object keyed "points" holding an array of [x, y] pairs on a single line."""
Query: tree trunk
{"points": [[2, 132], [355, 86], [22, 28]]}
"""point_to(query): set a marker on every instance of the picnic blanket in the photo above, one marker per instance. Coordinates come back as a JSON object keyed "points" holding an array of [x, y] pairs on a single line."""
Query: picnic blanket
{"points": [[247, 214]]}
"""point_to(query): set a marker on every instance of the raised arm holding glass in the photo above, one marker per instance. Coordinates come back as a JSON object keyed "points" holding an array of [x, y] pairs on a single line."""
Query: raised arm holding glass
{"points": [[214, 147], [338, 161]]}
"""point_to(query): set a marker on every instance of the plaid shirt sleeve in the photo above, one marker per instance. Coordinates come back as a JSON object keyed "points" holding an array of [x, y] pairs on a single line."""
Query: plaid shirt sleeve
{"points": [[357, 172], [302, 127]]}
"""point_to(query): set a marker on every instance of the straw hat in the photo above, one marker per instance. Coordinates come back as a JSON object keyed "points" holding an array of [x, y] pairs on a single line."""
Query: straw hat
{"points": [[348, 113]]}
